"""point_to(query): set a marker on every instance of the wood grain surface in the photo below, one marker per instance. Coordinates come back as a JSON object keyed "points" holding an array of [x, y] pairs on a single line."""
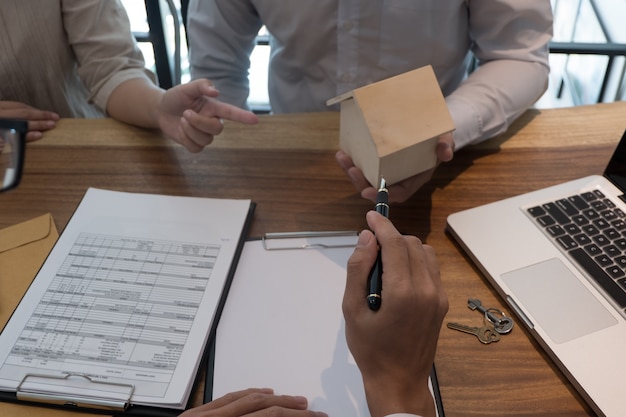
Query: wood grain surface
{"points": [[286, 165]]}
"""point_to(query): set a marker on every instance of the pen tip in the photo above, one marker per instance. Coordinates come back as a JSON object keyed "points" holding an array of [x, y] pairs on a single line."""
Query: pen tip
{"points": [[383, 183]]}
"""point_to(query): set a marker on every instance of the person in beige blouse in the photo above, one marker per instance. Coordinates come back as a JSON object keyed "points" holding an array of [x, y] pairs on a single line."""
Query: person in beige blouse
{"points": [[78, 58]]}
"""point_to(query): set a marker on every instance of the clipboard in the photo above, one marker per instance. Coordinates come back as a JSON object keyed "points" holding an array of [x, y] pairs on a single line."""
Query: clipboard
{"points": [[282, 325], [120, 402]]}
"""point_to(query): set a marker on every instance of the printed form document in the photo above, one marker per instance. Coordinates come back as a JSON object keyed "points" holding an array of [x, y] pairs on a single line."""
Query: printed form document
{"points": [[122, 308]]}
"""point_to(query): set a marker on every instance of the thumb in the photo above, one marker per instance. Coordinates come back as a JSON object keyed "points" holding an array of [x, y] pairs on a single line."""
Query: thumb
{"points": [[204, 87], [445, 148]]}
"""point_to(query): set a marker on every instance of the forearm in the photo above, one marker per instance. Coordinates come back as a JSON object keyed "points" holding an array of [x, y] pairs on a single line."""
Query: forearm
{"points": [[510, 42], [136, 102], [493, 97]]}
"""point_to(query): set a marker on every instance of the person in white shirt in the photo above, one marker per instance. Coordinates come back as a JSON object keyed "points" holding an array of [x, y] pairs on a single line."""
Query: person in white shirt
{"points": [[393, 347], [320, 49]]}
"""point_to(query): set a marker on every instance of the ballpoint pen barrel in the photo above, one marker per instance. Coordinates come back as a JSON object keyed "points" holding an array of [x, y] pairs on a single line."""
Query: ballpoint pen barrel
{"points": [[375, 280], [382, 202], [375, 284]]}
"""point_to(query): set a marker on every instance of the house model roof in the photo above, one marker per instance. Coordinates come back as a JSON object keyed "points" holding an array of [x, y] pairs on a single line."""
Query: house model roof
{"points": [[390, 128], [402, 110]]}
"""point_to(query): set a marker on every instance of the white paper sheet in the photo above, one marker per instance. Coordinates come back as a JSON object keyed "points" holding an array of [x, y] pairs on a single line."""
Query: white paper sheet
{"points": [[282, 327]]}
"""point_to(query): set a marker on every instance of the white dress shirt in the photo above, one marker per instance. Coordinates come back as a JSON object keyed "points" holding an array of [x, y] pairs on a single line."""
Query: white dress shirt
{"points": [[322, 48]]}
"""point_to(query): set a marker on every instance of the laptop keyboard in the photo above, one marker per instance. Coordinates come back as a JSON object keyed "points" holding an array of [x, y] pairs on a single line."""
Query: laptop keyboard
{"points": [[592, 231]]}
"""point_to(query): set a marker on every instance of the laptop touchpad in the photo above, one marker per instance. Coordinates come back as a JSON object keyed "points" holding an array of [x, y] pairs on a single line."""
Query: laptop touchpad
{"points": [[557, 300]]}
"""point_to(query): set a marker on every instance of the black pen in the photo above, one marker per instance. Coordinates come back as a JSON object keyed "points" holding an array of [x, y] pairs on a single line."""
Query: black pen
{"points": [[375, 280]]}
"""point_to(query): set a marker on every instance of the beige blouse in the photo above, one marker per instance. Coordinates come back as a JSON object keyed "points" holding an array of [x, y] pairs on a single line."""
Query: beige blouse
{"points": [[66, 56]]}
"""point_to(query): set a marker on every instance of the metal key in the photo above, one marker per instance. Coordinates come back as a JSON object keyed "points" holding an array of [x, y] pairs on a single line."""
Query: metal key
{"points": [[501, 322], [485, 334]]}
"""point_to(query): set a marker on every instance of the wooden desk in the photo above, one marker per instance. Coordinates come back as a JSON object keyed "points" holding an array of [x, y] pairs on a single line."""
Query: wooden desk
{"points": [[286, 165]]}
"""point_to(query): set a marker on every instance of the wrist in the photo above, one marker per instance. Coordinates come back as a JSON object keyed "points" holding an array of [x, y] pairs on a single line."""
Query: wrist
{"points": [[384, 398], [136, 101]]}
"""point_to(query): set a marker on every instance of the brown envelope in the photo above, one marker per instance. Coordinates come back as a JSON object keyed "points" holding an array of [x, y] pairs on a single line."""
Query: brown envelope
{"points": [[23, 248]]}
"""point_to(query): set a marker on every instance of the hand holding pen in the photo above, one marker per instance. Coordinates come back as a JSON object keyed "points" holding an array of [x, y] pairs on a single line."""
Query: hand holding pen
{"points": [[395, 346], [375, 280]]}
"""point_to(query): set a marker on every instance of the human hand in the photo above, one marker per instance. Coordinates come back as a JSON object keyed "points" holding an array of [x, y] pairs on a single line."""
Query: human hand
{"points": [[38, 120], [190, 114], [402, 190], [395, 346], [254, 402]]}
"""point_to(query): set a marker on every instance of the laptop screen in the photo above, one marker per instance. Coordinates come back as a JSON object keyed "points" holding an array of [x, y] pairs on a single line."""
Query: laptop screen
{"points": [[616, 169]]}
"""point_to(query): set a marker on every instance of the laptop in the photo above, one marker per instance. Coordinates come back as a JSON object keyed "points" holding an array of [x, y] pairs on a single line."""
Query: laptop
{"points": [[557, 256]]}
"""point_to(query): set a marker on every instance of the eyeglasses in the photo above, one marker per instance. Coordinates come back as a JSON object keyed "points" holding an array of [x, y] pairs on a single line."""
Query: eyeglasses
{"points": [[12, 149]]}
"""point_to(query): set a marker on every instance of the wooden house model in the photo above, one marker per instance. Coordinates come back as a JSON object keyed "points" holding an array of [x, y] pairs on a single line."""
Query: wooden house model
{"points": [[390, 128]]}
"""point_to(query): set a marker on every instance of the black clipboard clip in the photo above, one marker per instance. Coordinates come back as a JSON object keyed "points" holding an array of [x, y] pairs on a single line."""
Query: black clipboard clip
{"points": [[310, 240], [31, 388]]}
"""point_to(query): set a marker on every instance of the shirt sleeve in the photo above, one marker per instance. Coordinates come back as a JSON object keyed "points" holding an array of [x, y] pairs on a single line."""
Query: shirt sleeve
{"points": [[221, 39], [510, 42], [105, 48]]}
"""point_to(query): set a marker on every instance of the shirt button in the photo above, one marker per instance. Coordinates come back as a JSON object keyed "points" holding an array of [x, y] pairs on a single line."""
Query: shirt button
{"points": [[347, 25], [347, 77]]}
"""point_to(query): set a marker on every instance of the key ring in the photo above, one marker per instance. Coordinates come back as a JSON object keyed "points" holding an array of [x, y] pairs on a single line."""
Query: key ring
{"points": [[500, 321]]}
